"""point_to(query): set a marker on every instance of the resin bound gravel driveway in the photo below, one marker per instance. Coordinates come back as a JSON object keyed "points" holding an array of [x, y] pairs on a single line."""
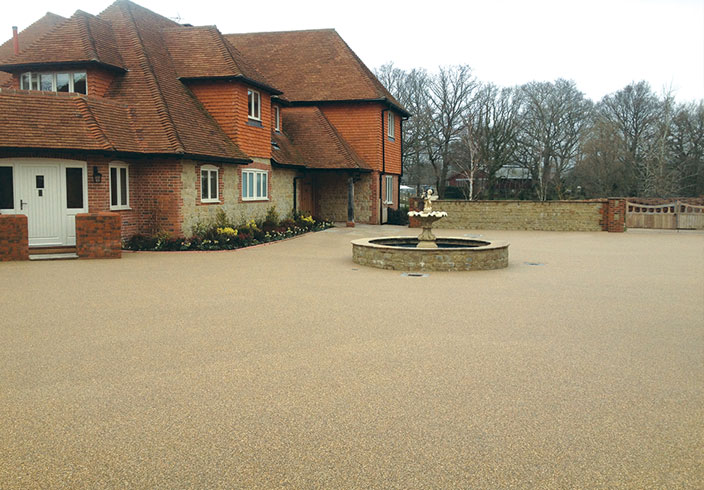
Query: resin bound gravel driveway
{"points": [[287, 365]]}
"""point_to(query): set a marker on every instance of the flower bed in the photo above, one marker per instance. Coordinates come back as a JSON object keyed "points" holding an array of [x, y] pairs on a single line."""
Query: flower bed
{"points": [[222, 234]]}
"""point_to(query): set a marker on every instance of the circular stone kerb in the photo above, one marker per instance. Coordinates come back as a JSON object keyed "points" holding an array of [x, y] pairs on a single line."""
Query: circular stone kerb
{"points": [[380, 252]]}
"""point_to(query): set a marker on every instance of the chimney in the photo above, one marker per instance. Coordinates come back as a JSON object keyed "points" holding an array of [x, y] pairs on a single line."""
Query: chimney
{"points": [[15, 40]]}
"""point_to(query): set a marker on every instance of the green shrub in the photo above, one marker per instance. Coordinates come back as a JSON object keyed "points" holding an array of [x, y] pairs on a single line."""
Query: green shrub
{"points": [[221, 234], [398, 216]]}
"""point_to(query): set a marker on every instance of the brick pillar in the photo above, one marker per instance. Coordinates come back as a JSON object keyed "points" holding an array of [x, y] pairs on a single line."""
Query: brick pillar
{"points": [[414, 204], [98, 235], [615, 215], [14, 237]]}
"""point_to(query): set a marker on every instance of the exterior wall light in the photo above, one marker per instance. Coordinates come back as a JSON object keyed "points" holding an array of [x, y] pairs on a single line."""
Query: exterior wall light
{"points": [[97, 176]]}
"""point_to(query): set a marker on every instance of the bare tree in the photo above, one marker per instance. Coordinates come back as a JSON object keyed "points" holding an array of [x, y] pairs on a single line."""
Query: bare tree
{"points": [[686, 147], [451, 92], [494, 118], [412, 89], [599, 172], [553, 118], [634, 111]]}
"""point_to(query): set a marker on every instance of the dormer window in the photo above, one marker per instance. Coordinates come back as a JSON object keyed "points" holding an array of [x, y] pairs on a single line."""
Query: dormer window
{"points": [[255, 105], [55, 81], [277, 119]]}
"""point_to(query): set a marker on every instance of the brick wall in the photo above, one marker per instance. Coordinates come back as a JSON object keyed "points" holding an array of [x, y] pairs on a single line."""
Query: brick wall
{"points": [[14, 243], [154, 195], [98, 235], [614, 215], [594, 215]]}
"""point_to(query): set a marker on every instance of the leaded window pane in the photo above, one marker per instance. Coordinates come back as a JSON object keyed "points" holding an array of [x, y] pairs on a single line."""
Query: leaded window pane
{"points": [[204, 185], [46, 82], [79, 83], [62, 82], [213, 184], [123, 186]]}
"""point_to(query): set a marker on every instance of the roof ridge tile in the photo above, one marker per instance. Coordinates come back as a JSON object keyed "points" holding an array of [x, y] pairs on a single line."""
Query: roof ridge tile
{"points": [[153, 84], [92, 123]]}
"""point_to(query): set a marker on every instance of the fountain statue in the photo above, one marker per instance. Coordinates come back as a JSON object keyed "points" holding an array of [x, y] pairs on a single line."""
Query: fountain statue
{"points": [[426, 218]]}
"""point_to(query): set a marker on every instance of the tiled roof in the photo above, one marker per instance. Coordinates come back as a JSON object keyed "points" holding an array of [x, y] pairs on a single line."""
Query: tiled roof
{"points": [[83, 38], [316, 141], [284, 152], [26, 38], [202, 52], [167, 116], [63, 121], [312, 66], [147, 108]]}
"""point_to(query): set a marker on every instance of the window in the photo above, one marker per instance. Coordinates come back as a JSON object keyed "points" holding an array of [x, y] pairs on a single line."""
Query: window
{"points": [[74, 187], [255, 105], [391, 120], [55, 82], [389, 180], [254, 185], [7, 198], [277, 118], [119, 186], [209, 184]]}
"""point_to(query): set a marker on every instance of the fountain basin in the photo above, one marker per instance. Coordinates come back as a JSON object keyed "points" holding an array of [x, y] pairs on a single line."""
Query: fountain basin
{"points": [[452, 254]]}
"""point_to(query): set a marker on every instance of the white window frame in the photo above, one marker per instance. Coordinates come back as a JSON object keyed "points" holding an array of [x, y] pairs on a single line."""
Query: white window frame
{"points": [[209, 169], [391, 122], [251, 106], [257, 195], [38, 74], [389, 183], [120, 205], [277, 119]]}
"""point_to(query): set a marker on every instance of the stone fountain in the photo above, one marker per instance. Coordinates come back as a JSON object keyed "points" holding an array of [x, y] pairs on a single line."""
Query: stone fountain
{"points": [[426, 218], [428, 252]]}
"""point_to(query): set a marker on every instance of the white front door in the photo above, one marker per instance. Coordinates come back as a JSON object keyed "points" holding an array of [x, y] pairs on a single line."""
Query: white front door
{"points": [[50, 192], [39, 192]]}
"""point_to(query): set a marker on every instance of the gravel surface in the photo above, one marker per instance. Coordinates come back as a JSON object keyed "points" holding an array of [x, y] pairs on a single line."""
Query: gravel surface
{"points": [[287, 365]]}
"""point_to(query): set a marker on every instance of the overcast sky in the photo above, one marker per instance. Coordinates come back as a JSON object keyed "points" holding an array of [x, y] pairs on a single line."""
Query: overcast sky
{"points": [[601, 44]]}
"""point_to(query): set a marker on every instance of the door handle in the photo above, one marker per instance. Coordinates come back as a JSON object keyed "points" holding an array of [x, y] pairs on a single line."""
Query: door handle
{"points": [[22, 203]]}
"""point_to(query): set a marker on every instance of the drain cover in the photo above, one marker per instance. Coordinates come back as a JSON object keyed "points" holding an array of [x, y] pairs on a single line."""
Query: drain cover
{"points": [[414, 274], [533, 263]]}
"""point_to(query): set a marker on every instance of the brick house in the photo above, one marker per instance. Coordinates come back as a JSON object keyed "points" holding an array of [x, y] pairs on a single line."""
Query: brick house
{"points": [[165, 124]]}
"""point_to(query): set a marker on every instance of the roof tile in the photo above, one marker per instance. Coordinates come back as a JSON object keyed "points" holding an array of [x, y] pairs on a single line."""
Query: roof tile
{"points": [[79, 39], [311, 66], [315, 141]]}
